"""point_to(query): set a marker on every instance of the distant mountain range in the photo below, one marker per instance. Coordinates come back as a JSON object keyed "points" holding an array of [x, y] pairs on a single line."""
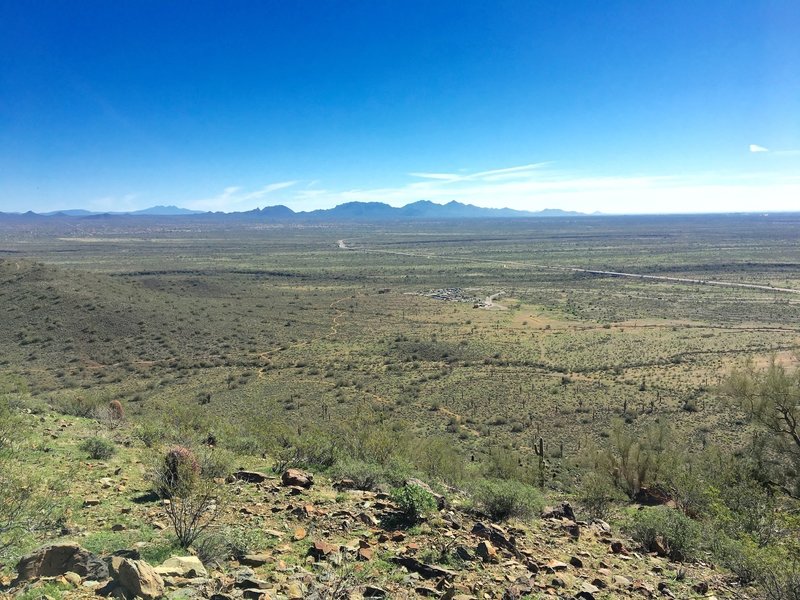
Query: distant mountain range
{"points": [[153, 210], [350, 211]]}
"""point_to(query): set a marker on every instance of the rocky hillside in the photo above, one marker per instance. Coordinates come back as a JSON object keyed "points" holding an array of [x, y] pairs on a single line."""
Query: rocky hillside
{"points": [[303, 535]]}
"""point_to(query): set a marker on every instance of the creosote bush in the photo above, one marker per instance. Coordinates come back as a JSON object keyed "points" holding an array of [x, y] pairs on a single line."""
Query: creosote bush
{"points": [[503, 499], [98, 448]]}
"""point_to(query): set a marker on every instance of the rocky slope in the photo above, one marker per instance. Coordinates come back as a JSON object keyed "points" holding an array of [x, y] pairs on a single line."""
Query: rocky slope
{"points": [[310, 537]]}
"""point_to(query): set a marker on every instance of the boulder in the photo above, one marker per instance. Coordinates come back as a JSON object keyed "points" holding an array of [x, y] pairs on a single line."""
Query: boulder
{"points": [[297, 478], [140, 579], [56, 559], [254, 560], [562, 511], [250, 476], [486, 552], [182, 566]]}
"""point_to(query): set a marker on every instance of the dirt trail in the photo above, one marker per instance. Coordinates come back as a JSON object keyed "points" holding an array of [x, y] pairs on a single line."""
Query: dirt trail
{"points": [[662, 278]]}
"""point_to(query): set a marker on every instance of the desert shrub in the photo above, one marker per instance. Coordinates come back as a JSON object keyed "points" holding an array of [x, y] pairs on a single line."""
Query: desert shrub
{"points": [[116, 411], [503, 499], [635, 459], [98, 448], [29, 503], [503, 463], [667, 527], [364, 475], [192, 498], [216, 462], [742, 556], [240, 541], [414, 502], [212, 548], [177, 469], [437, 457], [596, 494], [77, 406]]}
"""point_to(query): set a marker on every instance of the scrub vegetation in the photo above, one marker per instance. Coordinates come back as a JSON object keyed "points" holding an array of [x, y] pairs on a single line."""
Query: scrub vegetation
{"points": [[185, 352]]}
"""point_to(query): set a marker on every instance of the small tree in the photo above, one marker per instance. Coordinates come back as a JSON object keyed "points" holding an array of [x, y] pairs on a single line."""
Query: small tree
{"points": [[771, 399]]}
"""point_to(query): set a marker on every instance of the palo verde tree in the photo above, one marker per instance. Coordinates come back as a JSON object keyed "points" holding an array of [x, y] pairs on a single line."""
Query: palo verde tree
{"points": [[771, 399]]}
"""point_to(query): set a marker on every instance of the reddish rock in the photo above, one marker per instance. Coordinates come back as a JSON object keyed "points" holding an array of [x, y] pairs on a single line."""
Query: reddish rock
{"points": [[297, 478]]}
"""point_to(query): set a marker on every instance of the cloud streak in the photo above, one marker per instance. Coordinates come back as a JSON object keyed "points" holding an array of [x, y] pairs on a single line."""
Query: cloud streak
{"points": [[535, 186], [236, 198]]}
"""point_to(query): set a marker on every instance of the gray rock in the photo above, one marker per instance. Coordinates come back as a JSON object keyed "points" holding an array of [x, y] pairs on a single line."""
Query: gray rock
{"points": [[56, 559]]}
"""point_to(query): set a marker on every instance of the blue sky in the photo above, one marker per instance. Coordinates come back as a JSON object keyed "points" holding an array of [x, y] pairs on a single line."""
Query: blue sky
{"points": [[638, 106]]}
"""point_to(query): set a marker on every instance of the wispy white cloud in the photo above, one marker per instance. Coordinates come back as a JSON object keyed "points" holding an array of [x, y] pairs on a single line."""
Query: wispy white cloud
{"points": [[535, 186], [755, 148], [236, 198]]}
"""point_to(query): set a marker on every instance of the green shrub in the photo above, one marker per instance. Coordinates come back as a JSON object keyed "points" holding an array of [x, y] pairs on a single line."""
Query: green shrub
{"points": [[216, 462], [503, 499], [241, 541], [98, 448], [597, 494], [364, 475], [212, 548], [670, 528], [414, 502]]}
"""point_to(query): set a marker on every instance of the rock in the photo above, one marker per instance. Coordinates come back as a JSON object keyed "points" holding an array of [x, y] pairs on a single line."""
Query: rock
{"points": [[498, 537], [643, 588], [573, 529], [72, 578], [660, 546], [622, 581], [464, 554], [576, 562], [587, 591], [701, 587], [554, 566], [256, 594], [182, 566], [250, 476], [299, 534], [664, 589], [321, 550], [601, 525], [248, 582], [486, 552], [118, 527], [618, 548], [427, 571], [345, 484], [294, 591], [56, 559], [374, 593], [297, 478], [563, 511], [254, 560], [139, 579], [91, 501], [367, 519], [365, 554]]}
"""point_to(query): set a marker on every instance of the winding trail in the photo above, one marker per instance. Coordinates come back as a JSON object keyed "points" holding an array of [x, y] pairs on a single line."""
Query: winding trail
{"points": [[342, 244]]}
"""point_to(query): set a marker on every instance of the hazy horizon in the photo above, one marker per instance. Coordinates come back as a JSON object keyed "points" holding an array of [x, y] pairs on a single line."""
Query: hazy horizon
{"points": [[616, 108]]}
